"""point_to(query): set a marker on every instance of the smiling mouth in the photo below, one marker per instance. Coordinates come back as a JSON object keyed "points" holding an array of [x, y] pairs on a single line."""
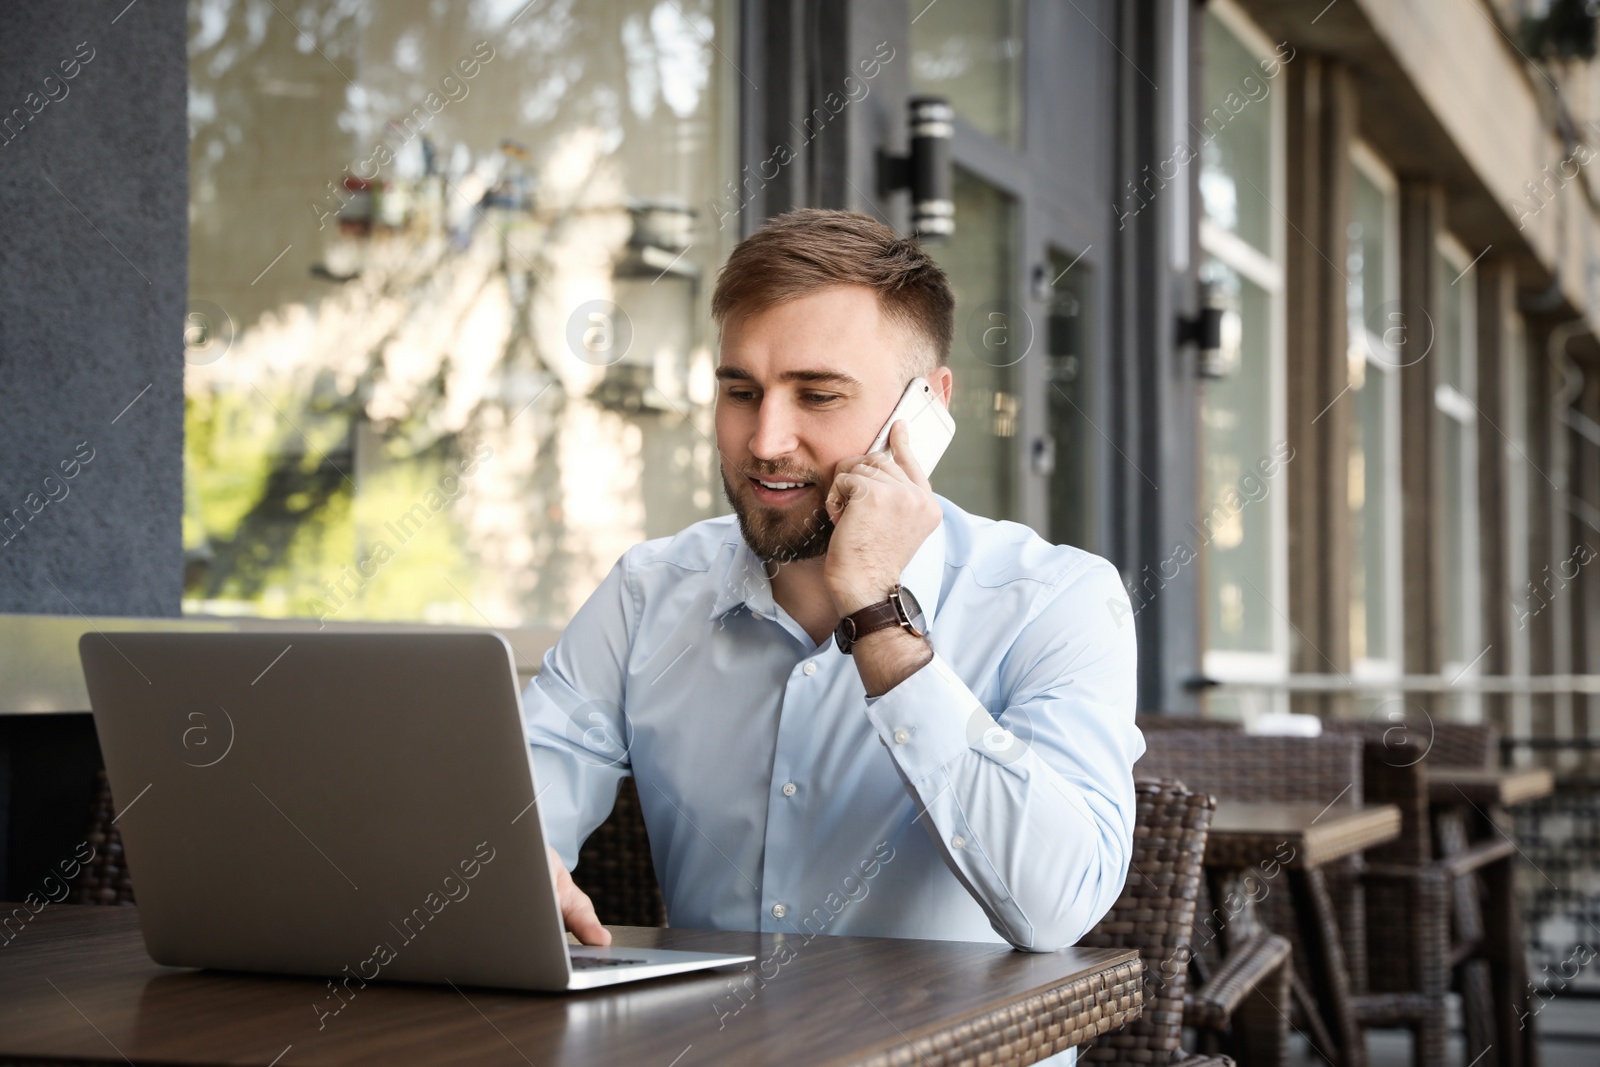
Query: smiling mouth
{"points": [[780, 485]]}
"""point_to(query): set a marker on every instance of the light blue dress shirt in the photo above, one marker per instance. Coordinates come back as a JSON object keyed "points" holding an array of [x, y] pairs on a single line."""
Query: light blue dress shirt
{"points": [[987, 797]]}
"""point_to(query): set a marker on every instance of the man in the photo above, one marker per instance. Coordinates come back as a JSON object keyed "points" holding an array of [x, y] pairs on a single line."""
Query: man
{"points": [[971, 781]]}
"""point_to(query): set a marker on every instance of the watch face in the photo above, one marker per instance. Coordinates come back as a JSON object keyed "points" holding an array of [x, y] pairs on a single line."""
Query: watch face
{"points": [[912, 608]]}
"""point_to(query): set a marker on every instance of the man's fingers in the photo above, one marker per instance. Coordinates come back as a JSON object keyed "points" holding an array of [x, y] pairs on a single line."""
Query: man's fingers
{"points": [[578, 912]]}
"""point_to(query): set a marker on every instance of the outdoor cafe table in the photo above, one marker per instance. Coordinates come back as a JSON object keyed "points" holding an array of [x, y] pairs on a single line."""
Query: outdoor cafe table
{"points": [[76, 985], [1487, 788], [1244, 836]]}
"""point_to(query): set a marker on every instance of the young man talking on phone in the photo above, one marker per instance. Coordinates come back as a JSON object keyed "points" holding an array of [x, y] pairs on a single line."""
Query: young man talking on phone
{"points": [[850, 707]]}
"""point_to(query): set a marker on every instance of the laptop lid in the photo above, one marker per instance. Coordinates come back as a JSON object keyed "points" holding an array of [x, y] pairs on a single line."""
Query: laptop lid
{"points": [[329, 804]]}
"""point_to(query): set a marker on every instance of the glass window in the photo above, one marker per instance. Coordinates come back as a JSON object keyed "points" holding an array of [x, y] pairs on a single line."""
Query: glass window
{"points": [[1241, 463], [1238, 135], [1455, 398], [448, 352], [971, 54], [992, 335], [1241, 530], [1068, 368], [1370, 577], [1378, 337], [1517, 720]]}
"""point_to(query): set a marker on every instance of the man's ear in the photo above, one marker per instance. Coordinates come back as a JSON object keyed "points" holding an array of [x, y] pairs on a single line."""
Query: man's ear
{"points": [[943, 382]]}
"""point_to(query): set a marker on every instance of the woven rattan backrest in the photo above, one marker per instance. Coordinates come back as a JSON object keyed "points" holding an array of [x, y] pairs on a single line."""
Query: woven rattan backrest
{"points": [[1461, 744], [1233, 766], [1155, 914], [1157, 720], [1444, 744], [104, 878], [614, 867]]}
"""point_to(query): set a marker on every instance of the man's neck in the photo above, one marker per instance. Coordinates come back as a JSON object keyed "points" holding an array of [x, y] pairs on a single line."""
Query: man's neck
{"points": [[800, 590]]}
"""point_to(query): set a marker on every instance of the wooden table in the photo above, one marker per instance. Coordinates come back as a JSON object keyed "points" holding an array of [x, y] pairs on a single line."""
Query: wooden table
{"points": [[1297, 841], [75, 983], [1246, 835], [1489, 788]]}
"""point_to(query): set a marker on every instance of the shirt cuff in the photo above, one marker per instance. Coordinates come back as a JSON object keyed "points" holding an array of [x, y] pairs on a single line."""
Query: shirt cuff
{"points": [[928, 719]]}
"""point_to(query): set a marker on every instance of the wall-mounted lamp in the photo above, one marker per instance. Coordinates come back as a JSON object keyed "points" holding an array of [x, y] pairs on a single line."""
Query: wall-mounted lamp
{"points": [[1215, 330], [925, 170]]}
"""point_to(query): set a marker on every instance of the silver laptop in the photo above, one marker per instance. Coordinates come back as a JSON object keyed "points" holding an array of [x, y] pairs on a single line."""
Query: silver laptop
{"points": [[359, 806]]}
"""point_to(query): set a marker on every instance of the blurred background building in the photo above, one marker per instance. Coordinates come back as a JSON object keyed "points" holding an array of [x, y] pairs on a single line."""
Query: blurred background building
{"points": [[397, 312]]}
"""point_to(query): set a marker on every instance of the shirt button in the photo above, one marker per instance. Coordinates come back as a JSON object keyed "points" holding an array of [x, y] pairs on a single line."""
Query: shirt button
{"points": [[779, 911], [810, 667], [790, 789], [958, 842], [902, 736]]}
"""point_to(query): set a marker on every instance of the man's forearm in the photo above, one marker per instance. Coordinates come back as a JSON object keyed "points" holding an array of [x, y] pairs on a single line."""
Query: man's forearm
{"points": [[886, 658]]}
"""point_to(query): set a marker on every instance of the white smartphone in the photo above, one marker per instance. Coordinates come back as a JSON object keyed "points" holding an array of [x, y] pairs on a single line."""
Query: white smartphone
{"points": [[930, 424]]}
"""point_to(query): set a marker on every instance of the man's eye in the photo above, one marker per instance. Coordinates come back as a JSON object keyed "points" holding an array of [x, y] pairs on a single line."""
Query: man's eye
{"points": [[820, 398], [739, 394]]}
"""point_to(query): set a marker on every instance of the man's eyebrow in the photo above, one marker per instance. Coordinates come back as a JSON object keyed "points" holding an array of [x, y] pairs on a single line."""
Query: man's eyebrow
{"points": [[829, 377]]}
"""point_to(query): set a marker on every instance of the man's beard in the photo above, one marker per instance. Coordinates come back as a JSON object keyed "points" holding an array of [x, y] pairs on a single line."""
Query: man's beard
{"points": [[774, 536]]}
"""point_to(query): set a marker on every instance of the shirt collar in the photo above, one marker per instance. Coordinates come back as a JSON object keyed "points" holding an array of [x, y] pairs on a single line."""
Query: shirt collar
{"points": [[743, 581]]}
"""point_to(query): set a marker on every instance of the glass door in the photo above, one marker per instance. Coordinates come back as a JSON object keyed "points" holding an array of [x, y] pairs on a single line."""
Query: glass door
{"points": [[1069, 367]]}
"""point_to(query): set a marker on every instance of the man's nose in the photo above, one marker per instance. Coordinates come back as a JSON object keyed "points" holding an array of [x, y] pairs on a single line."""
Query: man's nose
{"points": [[774, 434]]}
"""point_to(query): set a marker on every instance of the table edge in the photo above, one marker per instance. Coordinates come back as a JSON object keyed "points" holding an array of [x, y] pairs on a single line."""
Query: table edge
{"points": [[1008, 1035]]}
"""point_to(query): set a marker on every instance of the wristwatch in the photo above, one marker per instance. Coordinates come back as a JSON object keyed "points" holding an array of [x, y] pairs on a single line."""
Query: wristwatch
{"points": [[898, 610]]}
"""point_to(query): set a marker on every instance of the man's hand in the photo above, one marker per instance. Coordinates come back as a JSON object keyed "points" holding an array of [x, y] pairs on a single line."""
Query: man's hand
{"points": [[882, 509], [577, 910]]}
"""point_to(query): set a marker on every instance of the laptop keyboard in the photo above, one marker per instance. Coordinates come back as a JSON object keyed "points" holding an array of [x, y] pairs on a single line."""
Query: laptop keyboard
{"points": [[590, 963]]}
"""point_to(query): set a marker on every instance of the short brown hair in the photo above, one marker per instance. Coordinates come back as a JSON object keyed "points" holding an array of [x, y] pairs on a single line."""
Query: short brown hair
{"points": [[805, 251]]}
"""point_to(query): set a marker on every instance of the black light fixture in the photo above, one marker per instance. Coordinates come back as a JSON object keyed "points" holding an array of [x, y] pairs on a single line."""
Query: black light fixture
{"points": [[925, 170], [1215, 331]]}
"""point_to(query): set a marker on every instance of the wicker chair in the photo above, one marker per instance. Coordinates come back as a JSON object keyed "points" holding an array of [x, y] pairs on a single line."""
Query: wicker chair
{"points": [[1155, 914], [104, 879], [1426, 894], [1235, 766]]}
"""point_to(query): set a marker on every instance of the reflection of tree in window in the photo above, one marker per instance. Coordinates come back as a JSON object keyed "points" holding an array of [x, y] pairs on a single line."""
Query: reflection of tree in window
{"points": [[419, 302]]}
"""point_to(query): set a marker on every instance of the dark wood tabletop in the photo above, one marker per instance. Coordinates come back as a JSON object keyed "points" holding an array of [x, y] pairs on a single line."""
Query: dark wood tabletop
{"points": [[1489, 788], [76, 984], [1296, 835]]}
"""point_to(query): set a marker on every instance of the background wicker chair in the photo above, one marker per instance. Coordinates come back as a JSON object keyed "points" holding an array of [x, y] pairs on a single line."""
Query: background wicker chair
{"points": [[1443, 744], [1234, 766], [1170, 721], [1427, 891], [1155, 914]]}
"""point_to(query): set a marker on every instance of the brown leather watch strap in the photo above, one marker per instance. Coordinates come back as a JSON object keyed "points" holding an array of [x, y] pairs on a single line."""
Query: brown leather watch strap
{"points": [[880, 616]]}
